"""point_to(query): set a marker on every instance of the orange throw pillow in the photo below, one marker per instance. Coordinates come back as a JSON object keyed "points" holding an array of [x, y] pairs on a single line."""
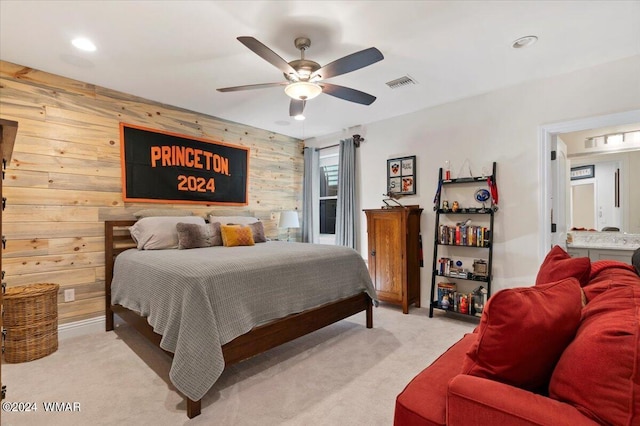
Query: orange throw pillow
{"points": [[234, 235]]}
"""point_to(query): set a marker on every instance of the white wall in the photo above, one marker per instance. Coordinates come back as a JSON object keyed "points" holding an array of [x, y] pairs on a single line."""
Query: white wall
{"points": [[499, 126]]}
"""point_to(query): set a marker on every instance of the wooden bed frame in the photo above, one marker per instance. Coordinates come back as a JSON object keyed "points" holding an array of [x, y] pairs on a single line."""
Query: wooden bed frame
{"points": [[256, 341]]}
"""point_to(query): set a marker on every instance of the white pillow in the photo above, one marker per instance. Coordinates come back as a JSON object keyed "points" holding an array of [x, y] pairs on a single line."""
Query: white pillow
{"points": [[161, 212], [237, 220], [158, 233]]}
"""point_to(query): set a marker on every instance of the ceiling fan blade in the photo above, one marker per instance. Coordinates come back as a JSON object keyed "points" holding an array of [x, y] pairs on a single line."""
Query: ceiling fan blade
{"points": [[250, 87], [296, 107], [349, 63], [267, 54], [347, 94]]}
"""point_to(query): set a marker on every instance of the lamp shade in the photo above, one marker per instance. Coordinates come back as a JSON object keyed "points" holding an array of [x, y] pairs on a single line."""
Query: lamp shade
{"points": [[288, 219], [303, 90]]}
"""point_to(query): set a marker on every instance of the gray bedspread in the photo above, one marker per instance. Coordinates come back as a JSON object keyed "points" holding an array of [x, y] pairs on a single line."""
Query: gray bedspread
{"points": [[200, 299]]}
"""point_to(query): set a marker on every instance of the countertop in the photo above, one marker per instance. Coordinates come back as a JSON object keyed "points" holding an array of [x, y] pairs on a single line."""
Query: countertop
{"points": [[603, 240]]}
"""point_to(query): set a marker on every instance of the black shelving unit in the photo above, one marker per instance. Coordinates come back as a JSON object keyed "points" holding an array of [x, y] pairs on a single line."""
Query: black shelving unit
{"points": [[482, 242]]}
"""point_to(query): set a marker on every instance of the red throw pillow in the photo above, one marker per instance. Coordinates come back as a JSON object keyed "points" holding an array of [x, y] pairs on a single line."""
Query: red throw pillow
{"points": [[599, 372], [558, 265], [523, 332]]}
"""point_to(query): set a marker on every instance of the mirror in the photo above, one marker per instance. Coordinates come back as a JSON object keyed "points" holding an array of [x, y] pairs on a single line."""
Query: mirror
{"points": [[609, 198]]}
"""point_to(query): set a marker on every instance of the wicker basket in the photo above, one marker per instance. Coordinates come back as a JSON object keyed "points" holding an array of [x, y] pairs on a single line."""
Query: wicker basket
{"points": [[30, 322]]}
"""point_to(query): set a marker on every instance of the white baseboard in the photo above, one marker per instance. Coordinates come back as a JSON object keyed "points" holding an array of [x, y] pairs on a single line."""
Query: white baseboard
{"points": [[80, 328]]}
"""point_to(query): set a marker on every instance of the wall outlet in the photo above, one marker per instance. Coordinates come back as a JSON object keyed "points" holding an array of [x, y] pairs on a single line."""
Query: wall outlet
{"points": [[69, 295]]}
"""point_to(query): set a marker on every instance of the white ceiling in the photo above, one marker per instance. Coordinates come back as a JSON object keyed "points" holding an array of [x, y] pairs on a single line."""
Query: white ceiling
{"points": [[179, 52]]}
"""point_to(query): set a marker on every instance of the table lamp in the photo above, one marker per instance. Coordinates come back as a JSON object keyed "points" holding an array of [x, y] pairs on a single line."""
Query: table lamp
{"points": [[288, 219]]}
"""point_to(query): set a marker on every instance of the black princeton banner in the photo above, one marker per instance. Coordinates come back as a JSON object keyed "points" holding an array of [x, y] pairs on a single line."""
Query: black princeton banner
{"points": [[163, 167]]}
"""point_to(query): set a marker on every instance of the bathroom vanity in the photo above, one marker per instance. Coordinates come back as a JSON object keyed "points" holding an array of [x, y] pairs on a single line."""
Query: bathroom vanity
{"points": [[602, 245]]}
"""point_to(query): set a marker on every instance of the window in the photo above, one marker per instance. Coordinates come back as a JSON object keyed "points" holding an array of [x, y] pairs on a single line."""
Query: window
{"points": [[329, 159]]}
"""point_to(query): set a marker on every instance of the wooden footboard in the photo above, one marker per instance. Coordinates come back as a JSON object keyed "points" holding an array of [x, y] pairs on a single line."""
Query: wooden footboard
{"points": [[256, 341]]}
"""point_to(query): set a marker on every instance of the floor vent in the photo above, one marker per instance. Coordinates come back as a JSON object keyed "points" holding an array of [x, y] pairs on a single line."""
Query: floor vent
{"points": [[401, 82]]}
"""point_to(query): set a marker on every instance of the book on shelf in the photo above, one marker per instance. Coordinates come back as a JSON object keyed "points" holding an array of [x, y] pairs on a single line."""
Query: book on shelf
{"points": [[446, 293], [464, 235], [444, 266]]}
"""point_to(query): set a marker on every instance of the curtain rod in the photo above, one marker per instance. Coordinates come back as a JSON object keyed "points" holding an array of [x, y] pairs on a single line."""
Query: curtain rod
{"points": [[356, 140]]}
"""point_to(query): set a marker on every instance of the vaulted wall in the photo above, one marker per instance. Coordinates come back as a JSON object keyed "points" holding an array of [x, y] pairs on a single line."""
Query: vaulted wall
{"points": [[64, 179]]}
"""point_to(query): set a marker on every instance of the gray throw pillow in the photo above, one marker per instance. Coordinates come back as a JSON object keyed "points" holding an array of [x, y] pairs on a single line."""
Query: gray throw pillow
{"points": [[258, 232], [196, 236]]}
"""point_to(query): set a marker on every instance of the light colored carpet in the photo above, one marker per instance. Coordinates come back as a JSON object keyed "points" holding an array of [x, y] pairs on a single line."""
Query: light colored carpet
{"points": [[341, 375]]}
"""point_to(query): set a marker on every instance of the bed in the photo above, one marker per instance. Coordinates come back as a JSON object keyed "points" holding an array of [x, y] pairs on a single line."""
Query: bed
{"points": [[216, 306]]}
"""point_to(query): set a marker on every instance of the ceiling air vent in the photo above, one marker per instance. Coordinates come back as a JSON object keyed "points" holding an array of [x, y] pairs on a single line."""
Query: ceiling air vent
{"points": [[401, 82]]}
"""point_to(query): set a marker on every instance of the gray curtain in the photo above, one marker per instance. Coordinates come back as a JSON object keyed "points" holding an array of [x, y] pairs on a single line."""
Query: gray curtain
{"points": [[346, 206], [309, 197]]}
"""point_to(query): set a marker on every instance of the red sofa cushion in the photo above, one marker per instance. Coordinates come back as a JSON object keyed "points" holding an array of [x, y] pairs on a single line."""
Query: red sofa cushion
{"points": [[423, 400], [599, 372], [523, 332], [558, 265], [610, 274], [602, 265]]}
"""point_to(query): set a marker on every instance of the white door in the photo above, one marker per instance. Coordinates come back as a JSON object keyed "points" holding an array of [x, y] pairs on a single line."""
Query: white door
{"points": [[608, 195], [559, 190]]}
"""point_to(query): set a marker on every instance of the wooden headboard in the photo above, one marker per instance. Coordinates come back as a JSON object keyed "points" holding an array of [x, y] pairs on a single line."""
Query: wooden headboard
{"points": [[116, 240]]}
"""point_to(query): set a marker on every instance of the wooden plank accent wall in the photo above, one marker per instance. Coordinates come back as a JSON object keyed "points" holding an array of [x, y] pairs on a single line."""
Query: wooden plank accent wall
{"points": [[64, 178]]}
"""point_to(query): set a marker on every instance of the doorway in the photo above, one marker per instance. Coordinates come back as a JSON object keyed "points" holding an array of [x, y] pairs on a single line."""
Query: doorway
{"points": [[548, 224]]}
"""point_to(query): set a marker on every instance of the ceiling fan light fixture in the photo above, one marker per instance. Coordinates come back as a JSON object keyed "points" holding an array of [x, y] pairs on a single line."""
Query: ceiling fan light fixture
{"points": [[302, 90]]}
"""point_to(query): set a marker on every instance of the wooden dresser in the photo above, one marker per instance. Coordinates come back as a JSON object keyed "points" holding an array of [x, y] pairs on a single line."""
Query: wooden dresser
{"points": [[394, 254], [8, 130]]}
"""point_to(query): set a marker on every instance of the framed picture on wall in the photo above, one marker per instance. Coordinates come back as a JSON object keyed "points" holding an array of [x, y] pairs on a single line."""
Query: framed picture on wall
{"points": [[401, 175], [583, 172]]}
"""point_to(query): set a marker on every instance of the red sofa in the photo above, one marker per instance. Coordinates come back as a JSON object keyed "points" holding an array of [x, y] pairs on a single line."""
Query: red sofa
{"points": [[563, 352]]}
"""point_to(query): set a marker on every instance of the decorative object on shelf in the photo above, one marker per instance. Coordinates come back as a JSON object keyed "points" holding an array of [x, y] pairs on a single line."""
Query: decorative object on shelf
{"points": [[401, 175], [493, 187], [289, 219], [482, 196], [456, 295], [468, 164], [480, 268], [447, 170], [464, 223], [436, 198], [479, 300], [464, 306]]}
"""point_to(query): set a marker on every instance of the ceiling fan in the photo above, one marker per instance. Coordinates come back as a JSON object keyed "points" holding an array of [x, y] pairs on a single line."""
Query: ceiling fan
{"points": [[305, 78]]}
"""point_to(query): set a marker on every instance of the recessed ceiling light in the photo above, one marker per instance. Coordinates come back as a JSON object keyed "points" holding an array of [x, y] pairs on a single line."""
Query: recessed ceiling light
{"points": [[84, 44], [299, 117], [525, 41]]}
